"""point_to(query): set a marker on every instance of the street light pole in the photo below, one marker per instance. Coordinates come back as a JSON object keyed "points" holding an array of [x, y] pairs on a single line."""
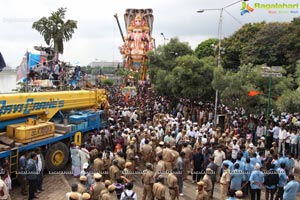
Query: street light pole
{"points": [[220, 29], [218, 62], [164, 38]]}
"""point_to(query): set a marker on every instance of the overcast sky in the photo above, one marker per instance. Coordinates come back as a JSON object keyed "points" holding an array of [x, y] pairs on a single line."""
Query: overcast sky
{"points": [[98, 37]]}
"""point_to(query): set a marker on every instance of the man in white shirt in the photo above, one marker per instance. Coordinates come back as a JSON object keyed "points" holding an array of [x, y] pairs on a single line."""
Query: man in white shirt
{"points": [[178, 137], [196, 132], [96, 139], [128, 192], [40, 159], [275, 132], [190, 132], [56, 73], [260, 131], [201, 115], [294, 143], [282, 137], [235, 149], [161, 130], [219, 156], [84, 156], [288, 140], [142, 143]]}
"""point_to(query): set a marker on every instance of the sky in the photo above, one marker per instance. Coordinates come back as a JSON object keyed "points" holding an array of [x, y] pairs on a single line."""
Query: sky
{"points": [[97, 36]]}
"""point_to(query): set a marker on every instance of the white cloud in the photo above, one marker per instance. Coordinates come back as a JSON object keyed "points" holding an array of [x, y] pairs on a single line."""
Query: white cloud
{"points": [[98, 36]]}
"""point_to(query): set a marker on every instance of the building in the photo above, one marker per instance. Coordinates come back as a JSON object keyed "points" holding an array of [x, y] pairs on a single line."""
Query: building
{"points": [[105, 64]]}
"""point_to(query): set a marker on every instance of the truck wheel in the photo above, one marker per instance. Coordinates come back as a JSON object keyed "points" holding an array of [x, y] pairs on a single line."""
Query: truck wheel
{"points": [[57, 157]]}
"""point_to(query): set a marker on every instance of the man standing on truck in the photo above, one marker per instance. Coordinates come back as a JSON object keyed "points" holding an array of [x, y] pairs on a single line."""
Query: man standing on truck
{"points": [[56, 73]]}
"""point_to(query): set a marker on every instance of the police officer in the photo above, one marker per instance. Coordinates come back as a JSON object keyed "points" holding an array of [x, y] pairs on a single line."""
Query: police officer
{"points": [[111, 195], [82, 185], [159, 189], [172, 185], [201, 193], [148, 181], [97, 187]]}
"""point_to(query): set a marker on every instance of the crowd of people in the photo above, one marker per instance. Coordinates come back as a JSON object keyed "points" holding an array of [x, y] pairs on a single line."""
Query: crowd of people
{"points": [[167, 142], [58, 73], [179, 142], [30, 175]]}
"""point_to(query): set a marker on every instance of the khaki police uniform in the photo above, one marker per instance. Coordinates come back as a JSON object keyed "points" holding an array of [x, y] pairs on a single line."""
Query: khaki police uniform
{"points": [[159, 191], [160, 168], [129, 155], [202, 195], [96, 190], [158, 151], [173, 186], [176, 155], [81, 188], [121, 162], [172, 141], [107, 164], [114, 173], [98, 165], [187, 162], [109, 196], [224, 181], [102, 193], [146, 152], [207, 183], [169, 158], [148, 181]]}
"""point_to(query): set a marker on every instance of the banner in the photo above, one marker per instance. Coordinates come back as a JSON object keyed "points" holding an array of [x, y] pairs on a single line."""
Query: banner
{"points": [[33, 60], [22, 71]]}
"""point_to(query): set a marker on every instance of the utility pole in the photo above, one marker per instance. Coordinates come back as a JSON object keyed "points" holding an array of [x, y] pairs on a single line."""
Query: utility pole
{"points": [[270, 72]]}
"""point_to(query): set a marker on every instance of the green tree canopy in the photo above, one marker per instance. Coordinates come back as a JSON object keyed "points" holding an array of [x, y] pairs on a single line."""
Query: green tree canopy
{"points": [[266, 47], [206, 48], [235, 45], [176, 71]]}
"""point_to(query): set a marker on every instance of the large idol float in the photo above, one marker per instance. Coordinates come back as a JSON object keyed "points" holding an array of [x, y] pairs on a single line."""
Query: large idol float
{"points": [[138, 41]]}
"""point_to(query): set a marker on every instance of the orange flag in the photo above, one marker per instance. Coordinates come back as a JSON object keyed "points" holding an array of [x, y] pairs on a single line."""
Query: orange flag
{"points": [[253, 93]]}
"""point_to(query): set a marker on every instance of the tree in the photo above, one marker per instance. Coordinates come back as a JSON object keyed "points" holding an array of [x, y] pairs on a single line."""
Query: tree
{"points": [[206, 48], [235, 45], [55, 29], [167, 54], [290, 42], [266, 47], [108, 82]]}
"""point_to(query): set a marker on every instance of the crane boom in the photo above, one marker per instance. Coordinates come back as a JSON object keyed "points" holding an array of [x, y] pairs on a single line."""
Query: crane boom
{"points": [[46, 104]]}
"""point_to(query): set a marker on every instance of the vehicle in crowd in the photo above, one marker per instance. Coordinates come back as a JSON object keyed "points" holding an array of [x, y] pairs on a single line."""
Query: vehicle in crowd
{"points": [[50, 120]]}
